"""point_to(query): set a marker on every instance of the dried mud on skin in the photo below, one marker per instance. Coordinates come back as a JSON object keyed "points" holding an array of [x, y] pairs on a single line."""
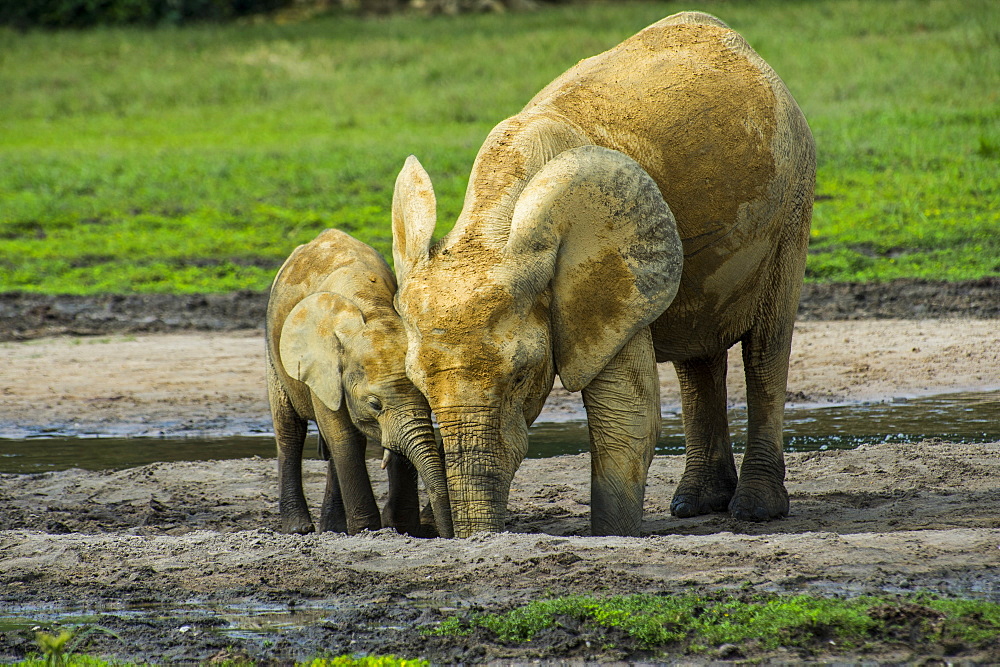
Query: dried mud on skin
{"points": [[898, 518]]}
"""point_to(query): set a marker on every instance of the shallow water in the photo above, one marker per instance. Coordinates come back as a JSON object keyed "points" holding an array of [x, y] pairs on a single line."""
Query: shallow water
{"points": [[250, 623], [958, 417]]}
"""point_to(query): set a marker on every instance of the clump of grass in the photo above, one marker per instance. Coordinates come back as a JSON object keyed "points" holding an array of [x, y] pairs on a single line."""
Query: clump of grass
{"points": [[693, 624], [988, 148], [57, 648], [365, 661]]}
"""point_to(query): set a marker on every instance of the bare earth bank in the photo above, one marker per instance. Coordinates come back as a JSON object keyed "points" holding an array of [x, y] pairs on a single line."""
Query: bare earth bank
{"points": [[896, 518]]}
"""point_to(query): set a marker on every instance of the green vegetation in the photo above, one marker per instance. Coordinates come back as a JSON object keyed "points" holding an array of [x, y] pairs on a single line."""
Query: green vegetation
{"points": [[693, 624], [57, 648], [740, 623], [55, 653], [80, 660], [72, 660], [82, 13], [369, 661], [195, 159]]}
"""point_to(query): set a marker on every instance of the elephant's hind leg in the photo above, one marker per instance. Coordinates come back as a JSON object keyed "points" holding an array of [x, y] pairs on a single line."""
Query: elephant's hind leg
{"points": [[709, 478], [290, 435], [761, 493]]}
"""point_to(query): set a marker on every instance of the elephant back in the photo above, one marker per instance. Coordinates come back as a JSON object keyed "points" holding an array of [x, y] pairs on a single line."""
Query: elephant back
{"points": [[704, 115]]}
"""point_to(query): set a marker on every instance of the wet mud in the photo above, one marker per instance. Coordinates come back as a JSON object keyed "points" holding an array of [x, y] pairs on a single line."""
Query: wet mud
{"points": [[180, 561]]}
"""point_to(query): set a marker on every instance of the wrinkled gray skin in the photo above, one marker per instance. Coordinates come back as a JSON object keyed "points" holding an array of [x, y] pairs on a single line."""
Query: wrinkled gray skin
{"points": [[335, 356], [565, 259]]}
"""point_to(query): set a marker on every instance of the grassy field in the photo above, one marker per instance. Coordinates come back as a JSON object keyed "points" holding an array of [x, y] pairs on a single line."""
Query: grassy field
{"points": [[195, 159], [695, 624]]}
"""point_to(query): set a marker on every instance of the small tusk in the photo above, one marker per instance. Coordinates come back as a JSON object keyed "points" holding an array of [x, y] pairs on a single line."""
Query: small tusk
{"points": [[385, 458]]}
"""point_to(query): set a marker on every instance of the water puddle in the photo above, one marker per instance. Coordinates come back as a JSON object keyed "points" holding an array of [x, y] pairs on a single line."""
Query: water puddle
{"points": [[959, 417], [47, 454], [244, 621]]}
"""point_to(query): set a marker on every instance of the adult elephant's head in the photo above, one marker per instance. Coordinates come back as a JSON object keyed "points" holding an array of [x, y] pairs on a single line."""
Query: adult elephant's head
{"points": [[554, 278]]}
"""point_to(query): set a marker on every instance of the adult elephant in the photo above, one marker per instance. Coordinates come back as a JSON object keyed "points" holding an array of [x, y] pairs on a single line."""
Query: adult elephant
{"points": [[564, 259]]}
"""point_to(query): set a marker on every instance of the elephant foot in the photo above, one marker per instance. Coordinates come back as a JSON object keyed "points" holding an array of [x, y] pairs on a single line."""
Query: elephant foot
{"points": [[759, 502], [332, 518], [614, 513], [332, 526], [624, 525], [404, 523], [428, 526], [700, 494], [297, 526], [355, 526]]}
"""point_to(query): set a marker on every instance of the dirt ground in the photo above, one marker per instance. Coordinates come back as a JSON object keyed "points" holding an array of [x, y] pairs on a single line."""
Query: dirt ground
{"points": [[193, 545]]}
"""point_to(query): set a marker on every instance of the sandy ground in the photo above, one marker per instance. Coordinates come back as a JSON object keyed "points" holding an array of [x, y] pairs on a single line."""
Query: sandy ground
{"points": [[213, 383], [194, 541]]}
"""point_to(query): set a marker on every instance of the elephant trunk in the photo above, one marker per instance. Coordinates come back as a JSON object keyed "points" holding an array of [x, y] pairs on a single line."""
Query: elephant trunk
{"points": [[417, 443], [479, 469]]}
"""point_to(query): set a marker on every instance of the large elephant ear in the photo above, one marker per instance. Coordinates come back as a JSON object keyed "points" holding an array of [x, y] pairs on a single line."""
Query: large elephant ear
{"points": [[414, 216], [612, 244], [311, 345]]}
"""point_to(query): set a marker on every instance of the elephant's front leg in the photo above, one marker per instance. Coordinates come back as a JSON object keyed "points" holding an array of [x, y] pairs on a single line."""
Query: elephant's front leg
{"points": [[332, 517], [347, 458], [623, 413], [402, 507], [290, 434], [709, 478]]}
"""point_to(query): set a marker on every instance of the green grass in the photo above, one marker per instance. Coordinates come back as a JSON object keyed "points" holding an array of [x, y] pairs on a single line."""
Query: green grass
{"points": [[196, 159], [694, 624], [83, 660], [368, 661]]}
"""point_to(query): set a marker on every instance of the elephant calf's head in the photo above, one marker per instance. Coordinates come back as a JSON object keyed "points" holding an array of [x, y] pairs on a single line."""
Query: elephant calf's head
{"points": [[351, 360]]}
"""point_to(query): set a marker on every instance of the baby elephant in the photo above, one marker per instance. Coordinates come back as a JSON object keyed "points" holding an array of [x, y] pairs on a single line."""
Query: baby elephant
{"points": [[335, 356]]}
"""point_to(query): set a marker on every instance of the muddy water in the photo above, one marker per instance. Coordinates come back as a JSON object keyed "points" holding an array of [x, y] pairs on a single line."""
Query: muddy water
{"points": [[958, 417], [59, 453], [248, 622]]}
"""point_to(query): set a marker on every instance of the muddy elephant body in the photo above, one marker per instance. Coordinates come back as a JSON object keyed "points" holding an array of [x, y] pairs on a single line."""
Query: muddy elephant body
{"points": [[729, 151], [335, 353]]}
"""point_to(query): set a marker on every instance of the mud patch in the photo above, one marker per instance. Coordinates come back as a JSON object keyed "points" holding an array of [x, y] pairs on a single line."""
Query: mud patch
{"points": [[24, 315], [192, 544]]}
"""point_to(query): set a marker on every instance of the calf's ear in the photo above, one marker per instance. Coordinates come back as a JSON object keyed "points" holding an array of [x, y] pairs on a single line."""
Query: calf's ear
{"points": [[311, 345]]}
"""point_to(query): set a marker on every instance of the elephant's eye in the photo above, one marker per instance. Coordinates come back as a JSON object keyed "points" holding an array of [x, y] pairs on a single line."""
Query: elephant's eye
{"points": [[374, 404]]}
